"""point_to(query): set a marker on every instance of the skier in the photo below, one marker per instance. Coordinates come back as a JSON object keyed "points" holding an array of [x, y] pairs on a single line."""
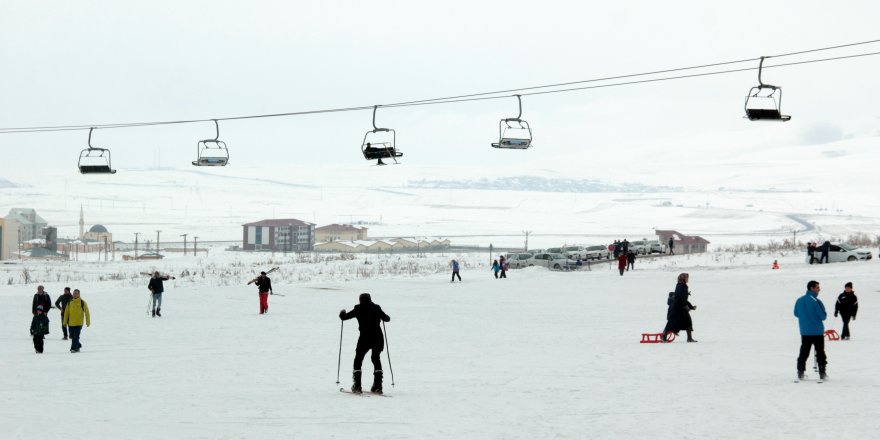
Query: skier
{"points": [[39, 328], [61, 304], [621, 263], [455, 271], [41, 298], [810, 313], [847, 306], [496, 268], [156, 287], [368, 315], [264, 285], [76, 312], [679, 312]]}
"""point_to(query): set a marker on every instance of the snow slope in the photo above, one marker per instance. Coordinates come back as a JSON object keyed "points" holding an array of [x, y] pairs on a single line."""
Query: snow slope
{"points": [[539, 355]]}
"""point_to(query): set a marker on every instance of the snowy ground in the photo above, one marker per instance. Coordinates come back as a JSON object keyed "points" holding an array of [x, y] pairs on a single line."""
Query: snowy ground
{"points": [[540, 355]]}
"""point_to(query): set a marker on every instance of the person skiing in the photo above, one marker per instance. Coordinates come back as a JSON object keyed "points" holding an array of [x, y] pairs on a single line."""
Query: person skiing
{"points": [[621, 263], [61, 304], [679, 312], [264, 287], [368, 314], [41, 298], [810, 313], [496, 268], [156, 287], [847, 306], [76, 312], [455, 271], [39, 328]]}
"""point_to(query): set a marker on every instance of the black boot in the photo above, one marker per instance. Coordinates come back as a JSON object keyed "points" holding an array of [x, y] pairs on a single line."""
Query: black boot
{"points": [[801, 374], [377, 382], [356, 386], [154, 313], [158, 312]]}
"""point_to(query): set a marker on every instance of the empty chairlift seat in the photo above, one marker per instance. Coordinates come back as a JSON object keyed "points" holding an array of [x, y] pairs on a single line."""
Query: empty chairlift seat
{"points": [[212, 152], [94, 160]]}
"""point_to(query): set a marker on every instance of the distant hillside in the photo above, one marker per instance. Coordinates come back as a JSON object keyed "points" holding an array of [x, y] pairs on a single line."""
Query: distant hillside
{"points": [[7, 184], [532, 183]]}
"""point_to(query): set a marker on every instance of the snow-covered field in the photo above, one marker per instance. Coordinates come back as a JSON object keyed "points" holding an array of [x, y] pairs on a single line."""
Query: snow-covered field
{"points": [[540, 355]]}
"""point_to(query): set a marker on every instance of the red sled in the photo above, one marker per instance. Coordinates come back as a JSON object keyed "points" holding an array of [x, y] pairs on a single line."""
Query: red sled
{"points": [[654, 338], [832, 335]]}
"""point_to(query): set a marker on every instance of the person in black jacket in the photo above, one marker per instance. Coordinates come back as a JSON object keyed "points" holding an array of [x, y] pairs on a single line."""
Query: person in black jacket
{"points": [[680, 311], [156, 287], [368, 314], [847, 306], [630, 260], [41, 298], [264, 285], [39, 328], [825, 248], [61, 304]]}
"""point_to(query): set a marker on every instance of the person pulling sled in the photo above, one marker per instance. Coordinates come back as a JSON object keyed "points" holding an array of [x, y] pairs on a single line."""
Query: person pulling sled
{"points": [[369, 316]]}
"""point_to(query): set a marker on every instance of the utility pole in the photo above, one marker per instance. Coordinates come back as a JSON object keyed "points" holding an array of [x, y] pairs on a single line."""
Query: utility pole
{"points": [[184, 243], [136, 245], [105, 248], [157, 243], [19, 243], [527, 240], [195, 245]]}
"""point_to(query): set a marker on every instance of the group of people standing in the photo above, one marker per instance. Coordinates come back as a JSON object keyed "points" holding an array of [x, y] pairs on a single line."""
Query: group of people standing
{"points": [[813, 247], [74, 313]]}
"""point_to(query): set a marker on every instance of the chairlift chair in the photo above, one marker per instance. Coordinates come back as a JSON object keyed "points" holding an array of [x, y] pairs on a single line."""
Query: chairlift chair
{"points": [[514, 133], [94, 160], [212, 152], [380, 143], [764, 101]]}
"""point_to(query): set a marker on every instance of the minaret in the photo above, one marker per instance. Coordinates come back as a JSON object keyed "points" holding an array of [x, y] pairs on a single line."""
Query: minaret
{"points": [[82, 222]]}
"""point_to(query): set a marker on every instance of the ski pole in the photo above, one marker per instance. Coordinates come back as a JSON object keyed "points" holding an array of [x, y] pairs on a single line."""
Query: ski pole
{"points": [[339, 362], [388, 352]]}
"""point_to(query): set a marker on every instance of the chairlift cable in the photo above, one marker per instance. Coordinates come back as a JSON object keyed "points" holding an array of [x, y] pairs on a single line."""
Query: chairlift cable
{"points": [[478, 96]]}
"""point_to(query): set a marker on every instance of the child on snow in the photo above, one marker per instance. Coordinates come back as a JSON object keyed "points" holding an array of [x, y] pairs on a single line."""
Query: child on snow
{"points": [[496, 268], [39, 328], [775, 265]]}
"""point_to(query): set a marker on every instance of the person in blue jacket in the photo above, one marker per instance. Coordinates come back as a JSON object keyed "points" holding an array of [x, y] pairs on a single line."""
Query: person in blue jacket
{"points": [[455, 273], [810, 313]]}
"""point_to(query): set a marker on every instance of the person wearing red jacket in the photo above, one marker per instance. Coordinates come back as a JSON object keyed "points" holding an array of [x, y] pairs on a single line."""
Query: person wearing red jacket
{"points": [[621, 263]]}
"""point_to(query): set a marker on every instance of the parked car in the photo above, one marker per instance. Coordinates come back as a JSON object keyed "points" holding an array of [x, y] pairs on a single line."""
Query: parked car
{"points": [[537, 251], [552, 261], [842, 252], [554, 250], [596, 253], [573, 252], [518, 260], [655, 247], [639, 247]]}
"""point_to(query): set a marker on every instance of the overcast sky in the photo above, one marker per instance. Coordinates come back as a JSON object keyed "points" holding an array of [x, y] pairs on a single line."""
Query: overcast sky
{"points": [[95, 62]]}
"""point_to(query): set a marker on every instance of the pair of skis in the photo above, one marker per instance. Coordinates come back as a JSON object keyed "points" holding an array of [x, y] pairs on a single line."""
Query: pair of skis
{"points": [[267, 273], [363, 394]]}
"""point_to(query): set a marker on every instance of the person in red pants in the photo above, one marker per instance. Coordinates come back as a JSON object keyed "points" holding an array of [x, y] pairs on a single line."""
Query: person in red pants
{"points": [[264, 284]]}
